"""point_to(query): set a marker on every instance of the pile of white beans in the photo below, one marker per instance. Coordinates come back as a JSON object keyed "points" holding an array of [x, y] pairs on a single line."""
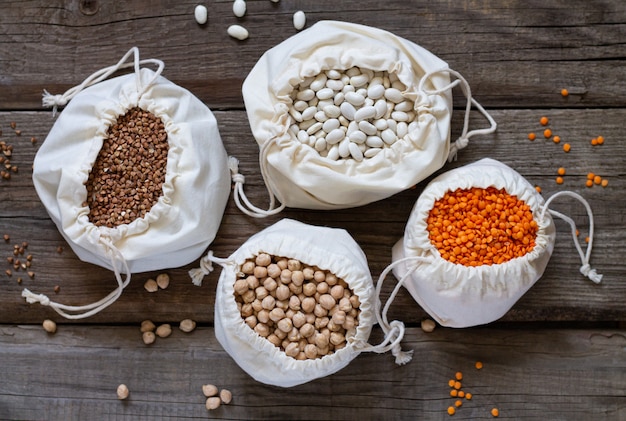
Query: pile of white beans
{"points": [[351, 114]]}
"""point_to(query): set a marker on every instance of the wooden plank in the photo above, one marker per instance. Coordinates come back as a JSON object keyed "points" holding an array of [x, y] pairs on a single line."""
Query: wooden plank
{"points": [[516, 54], [540, 374], [562, 293]]}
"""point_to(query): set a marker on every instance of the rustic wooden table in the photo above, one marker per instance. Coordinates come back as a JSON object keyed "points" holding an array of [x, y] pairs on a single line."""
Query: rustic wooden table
{"points": [[558, 354]]}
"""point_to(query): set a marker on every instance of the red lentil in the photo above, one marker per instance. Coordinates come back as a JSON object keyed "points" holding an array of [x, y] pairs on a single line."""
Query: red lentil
{"points": [[564, 92], [495, 412], [600, 140], [532, 136], [589, 183], [478, 226], [451, 410], [597, 179], [468, 396], [605, 182], [458, 403], [556, 139], [538, 189], [543, 121], [547, 133], [561, 171], [559, 180], [458, 375], [567, 147]]}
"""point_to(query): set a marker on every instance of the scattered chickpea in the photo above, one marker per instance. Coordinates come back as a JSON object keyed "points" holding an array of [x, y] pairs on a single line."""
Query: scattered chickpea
{"points": [[213, 403], [49, 326], [7, 238], [57, 289], [147, 326], [151, 285], [209, 390], [122, 392], [163, 280], [187, 325], [148, 337], [226, 396], [164, 330]]}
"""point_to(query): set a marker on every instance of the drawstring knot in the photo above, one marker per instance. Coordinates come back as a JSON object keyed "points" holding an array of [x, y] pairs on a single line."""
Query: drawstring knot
{"points": [[455, 147], [590, 273], [206, 267], [32, 298]]}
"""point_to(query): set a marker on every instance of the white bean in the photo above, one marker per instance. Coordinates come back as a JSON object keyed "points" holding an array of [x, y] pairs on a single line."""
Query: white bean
{"points": [[400, 116], [402, 129], [332, 111], [374, 142], [320, 116], [381, 108], [333, 153], [334, 84], [306, 95], [356, 153], [330, 125], [237, 32], [392, 124], [320, 145], [334, 74], [388, 136], [404, 106], [308, 113], [201, 14], [300, 105], [365, 113], [354, 98], [353, 71], [380, 124], [314, 128], [303, 136], [394, 95], [239, 8], [367, 127], [339, 98], [325, 93], [319, 82], [295, 114], [299, 20], [335, 136], [344, 148], [347, 110], [372, 152], [357, 137], [375, 91]]}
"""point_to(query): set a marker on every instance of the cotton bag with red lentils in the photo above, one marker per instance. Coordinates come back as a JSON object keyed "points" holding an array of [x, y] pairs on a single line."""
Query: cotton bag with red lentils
{"points": [[347, 114], [296, 302], [133, 173], [477, 239]]}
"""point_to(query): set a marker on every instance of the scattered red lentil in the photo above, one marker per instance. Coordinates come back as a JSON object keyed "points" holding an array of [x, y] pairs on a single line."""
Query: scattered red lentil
{"points": [[532, 136], [538, 189], [458, 403], [451, 382], [556, 139], [605, 182], [457, 385], [561, 171], [590, 176], [586, 239], [475, 227], [468, 396], [451, 410], [547, 133], [597, 179], [454, 393], [589, 183], [567, 147], [478, 365], [543, 121], [559, 180], [495, 412], [564, 92], [461, 394], [458, 375], [600, 140]]}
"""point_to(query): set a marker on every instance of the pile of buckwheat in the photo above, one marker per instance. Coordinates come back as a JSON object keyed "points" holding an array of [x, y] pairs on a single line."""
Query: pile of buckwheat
{"points": [[305, 311], [128, 175]]}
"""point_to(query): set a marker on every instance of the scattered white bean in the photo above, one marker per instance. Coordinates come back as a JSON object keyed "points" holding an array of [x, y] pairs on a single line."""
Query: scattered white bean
{"points": [[201, 14], [239, 8], [238, 32], [299, 20]]}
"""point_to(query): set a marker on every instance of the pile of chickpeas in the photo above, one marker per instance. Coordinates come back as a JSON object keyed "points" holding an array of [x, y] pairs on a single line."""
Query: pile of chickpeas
{"points": [[306, 311]]}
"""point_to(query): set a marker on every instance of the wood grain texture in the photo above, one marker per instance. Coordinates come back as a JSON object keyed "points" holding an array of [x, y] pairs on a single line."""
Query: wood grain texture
{"points": [[558, 354], [74, 375]]}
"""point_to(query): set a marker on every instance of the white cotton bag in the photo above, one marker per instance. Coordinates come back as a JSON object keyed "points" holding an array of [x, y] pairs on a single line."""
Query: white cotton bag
{"points": [[297, 174], [327, 248], [461, 296], [181, 224]]}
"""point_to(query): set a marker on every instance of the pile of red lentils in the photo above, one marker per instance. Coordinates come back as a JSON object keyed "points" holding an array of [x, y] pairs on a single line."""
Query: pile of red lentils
{"points": [[477, 226], [459, 394]]}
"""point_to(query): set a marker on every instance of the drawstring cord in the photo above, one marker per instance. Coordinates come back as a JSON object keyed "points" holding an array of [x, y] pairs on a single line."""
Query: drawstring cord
{"points": [[394, 331], [206, 267], [239, 180], [585, 269], [93, 308], [463, 140], [60, 100]]}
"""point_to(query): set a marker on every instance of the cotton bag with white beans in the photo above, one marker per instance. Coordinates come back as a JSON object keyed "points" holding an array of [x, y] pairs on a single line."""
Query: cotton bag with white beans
{"points": [[296, 302], [353, 107], [472, 268], [77, 173]]}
